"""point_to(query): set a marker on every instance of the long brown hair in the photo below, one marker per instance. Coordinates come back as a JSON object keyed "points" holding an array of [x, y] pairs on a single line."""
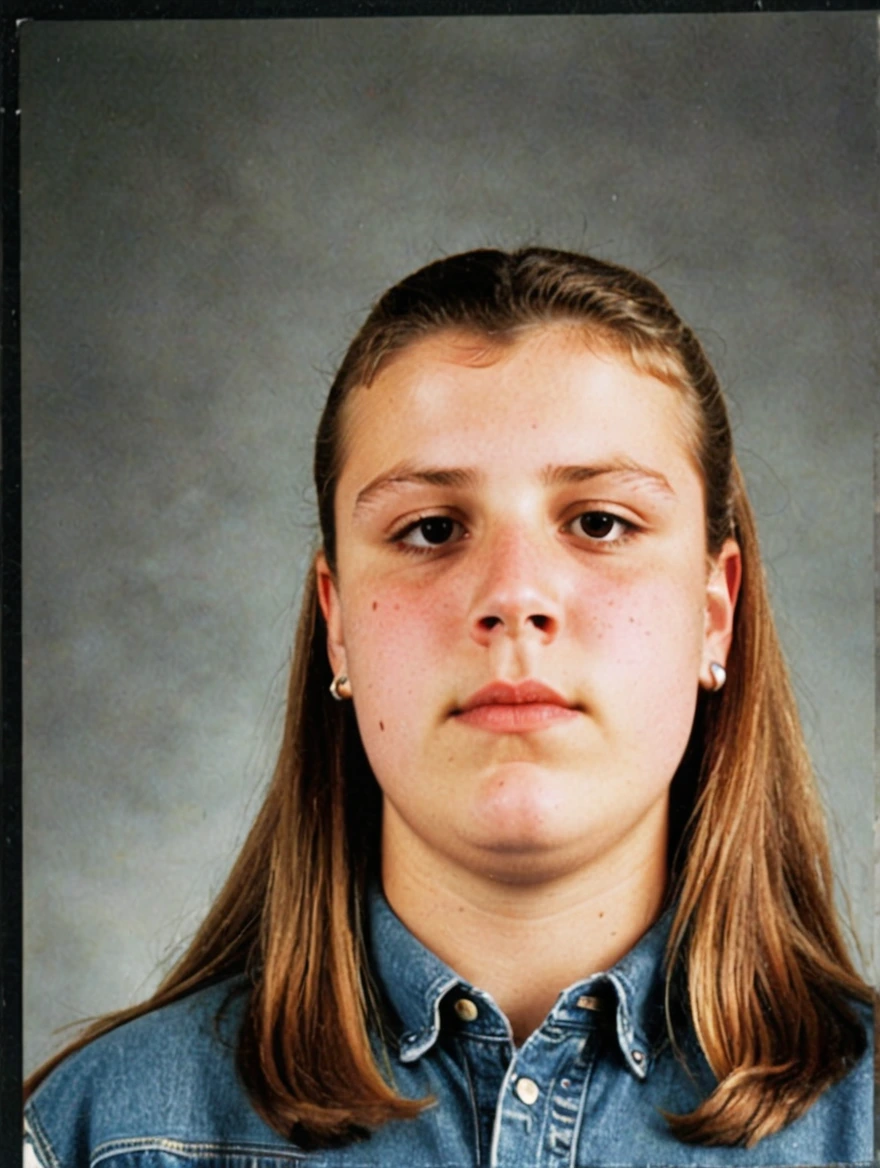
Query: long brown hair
{"points": [[755, 939]]}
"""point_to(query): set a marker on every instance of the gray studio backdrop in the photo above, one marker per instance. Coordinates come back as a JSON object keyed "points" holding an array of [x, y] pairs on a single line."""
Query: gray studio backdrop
{"points": [[209, 209]]}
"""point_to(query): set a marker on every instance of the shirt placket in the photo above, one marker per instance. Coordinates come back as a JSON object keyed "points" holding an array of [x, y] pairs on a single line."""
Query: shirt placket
{"points": [[528, 1102], [540, 1104]]}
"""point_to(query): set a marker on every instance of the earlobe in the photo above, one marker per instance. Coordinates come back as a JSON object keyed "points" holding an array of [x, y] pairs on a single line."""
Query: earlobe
{"points": [[328, 599], [722, 590]]}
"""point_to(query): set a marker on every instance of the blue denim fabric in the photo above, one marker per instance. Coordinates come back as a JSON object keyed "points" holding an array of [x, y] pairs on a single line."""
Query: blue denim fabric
{"points": [[586, 1089]]}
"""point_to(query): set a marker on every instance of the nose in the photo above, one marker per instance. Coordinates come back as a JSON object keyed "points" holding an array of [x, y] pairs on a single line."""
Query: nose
{"points": [[517, 592]]}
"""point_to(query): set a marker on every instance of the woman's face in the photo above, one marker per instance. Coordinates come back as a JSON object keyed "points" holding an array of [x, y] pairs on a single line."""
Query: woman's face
{"points": [[523, 602]]}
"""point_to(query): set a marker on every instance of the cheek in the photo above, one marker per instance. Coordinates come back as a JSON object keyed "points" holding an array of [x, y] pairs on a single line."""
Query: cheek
{"points": [[648, 654], [650, 620], [398, 631], [641, 647], [397, 640]]}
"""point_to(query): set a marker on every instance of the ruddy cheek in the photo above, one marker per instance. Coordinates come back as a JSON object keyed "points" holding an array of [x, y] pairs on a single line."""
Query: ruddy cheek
{"points": [[394, 649], [647, 633], [412, 624]]}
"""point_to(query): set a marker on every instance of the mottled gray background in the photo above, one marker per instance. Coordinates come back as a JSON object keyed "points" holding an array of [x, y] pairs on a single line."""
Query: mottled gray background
{"points": [[208, 211]]}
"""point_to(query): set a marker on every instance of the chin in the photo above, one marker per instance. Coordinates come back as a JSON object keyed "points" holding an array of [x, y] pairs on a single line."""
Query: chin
{"points": [[526, 862], [517, 817]]}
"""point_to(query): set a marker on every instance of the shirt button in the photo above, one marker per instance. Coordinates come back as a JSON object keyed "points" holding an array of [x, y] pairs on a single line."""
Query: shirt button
{"points": [[466, 1009], [527, 1090], [589, 1002]]}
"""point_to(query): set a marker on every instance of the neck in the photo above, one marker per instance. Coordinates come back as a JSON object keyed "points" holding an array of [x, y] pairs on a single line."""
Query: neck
{"points": [[521, 941]]}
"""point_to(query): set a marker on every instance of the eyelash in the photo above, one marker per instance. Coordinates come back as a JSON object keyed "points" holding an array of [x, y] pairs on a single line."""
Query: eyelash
{"points": [[629, 529]]}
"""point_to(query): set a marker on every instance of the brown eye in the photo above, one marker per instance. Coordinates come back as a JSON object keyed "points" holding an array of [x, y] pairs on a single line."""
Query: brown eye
{"points": [[601, 526], [597, 524], [436, 530], [433, 531]]}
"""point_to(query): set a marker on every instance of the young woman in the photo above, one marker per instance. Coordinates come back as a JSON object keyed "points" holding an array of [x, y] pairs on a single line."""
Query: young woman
{"points": [[542, 877]]}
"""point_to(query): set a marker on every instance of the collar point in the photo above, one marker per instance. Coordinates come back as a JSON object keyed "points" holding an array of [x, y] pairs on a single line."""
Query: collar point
{"points": [[414, 1044], [637, 1059]]}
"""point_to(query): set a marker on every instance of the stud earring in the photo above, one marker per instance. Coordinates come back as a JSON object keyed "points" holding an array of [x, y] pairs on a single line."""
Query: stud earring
{"points": [[719, 675], [340, 687]]}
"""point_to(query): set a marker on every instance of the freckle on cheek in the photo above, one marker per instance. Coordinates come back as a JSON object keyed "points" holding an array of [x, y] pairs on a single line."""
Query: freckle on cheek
{"points": [[381, 725], [375, 605]]}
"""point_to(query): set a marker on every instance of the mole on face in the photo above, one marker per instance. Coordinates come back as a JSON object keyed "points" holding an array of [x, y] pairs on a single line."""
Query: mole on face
{"points": [[381, 725], [375, 605]]}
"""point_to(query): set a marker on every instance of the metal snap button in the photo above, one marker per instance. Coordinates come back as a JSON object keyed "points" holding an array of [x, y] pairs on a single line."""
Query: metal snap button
{"points": [[466, 1009], [589, 1002], [638, 1057], [527, 1090]]}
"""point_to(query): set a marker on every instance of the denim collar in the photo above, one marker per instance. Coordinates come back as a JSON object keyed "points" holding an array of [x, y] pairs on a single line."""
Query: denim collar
{"points": [[416, 982]]}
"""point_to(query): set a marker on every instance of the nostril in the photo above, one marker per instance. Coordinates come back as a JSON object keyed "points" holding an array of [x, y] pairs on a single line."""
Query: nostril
{"points": [[541, 622]]}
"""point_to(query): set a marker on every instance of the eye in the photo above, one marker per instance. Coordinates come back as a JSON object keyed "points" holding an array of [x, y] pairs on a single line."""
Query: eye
{"points": [[432, 531], [601, 526]]}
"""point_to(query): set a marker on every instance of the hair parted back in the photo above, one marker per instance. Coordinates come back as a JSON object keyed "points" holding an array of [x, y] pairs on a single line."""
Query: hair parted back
{"points": [[756, 946]]}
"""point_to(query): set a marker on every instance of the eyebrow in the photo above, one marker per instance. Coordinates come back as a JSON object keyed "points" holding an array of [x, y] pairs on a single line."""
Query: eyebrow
{"points": [[410, 474], [620, 467]]}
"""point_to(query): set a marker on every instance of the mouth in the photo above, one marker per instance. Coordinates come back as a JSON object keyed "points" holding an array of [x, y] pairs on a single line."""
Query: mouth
{"points": [[504, 708]]}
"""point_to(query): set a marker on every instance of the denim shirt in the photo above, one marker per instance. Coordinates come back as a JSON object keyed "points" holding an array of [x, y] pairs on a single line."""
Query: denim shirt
{"points": [[585, 1089]]}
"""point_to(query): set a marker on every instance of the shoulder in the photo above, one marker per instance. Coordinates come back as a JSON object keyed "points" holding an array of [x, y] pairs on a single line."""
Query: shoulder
{"points": [[166, 1078], [839, 1127]]}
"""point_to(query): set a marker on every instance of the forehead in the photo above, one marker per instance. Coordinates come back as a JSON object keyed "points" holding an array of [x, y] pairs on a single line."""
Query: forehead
{"points": [[554, 390]]}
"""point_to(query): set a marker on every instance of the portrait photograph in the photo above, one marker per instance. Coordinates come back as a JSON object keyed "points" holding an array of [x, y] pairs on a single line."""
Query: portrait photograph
{"points": [[499, 521]]}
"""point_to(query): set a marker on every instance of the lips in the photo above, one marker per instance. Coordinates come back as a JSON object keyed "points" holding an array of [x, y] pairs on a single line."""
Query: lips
{"points": [[504, 708], [505, 693]]}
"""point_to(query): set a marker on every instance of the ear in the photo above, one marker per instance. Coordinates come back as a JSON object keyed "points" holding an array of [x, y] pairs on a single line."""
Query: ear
{"points": [[722, 590], [328, 598]]}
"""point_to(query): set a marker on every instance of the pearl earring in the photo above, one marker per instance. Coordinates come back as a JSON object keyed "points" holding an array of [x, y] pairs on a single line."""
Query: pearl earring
{"points": [[719, 674], [340, 687]]}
